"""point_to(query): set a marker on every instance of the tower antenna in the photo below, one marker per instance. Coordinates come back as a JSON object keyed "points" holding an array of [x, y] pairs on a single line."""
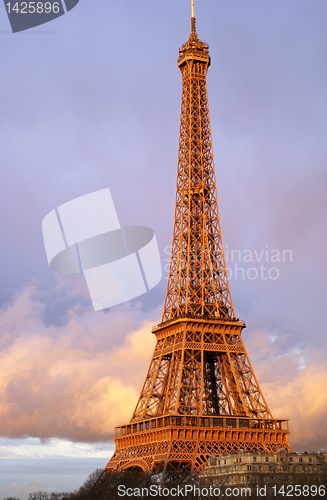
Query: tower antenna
{"points": [[193, 8]]}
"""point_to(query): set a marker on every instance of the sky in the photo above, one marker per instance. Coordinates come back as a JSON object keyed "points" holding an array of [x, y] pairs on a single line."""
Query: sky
{"points": [[92, 100]]}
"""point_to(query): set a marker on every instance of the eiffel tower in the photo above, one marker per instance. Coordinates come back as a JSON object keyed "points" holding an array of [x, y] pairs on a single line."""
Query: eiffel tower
{"points": [[200, 395]]}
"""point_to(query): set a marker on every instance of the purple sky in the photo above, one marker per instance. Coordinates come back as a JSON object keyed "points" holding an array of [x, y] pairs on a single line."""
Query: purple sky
{"points": [[92, 100]]}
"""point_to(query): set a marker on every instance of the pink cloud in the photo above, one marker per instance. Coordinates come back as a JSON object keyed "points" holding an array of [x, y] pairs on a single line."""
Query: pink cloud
{"points": [[293, 382], [80, 379], [74, 381]]}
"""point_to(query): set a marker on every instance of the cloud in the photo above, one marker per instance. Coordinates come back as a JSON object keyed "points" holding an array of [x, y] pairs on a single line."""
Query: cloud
{"points": [[303, 400], [76, 380], [79, 378], [293, 382], [16, 449], [22, 491]]}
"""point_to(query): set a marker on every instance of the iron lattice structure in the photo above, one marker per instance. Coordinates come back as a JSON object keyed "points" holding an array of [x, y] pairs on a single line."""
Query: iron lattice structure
{"points": [[200, 395]]}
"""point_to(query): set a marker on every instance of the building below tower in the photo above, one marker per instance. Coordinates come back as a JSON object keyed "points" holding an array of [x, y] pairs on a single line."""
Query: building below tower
{"points": [[277, 474]]}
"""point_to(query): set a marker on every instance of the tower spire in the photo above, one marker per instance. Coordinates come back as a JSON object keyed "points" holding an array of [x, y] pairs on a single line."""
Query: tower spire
{"points": [[193, 23]]}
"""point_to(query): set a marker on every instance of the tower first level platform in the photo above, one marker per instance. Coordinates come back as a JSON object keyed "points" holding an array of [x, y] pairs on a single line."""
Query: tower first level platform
{"points": [[176, 442]]}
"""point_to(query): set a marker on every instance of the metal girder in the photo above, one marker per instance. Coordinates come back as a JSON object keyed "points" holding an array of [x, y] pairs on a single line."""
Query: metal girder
{"points": [[198, 372], [197, 283]]}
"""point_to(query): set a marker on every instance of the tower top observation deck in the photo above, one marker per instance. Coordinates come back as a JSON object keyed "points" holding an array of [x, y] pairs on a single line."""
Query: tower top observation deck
{"points": [[194, 48]]}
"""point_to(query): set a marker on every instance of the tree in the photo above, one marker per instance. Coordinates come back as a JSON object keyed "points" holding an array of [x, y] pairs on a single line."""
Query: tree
{"points": [[39, 495], [84, 491]]}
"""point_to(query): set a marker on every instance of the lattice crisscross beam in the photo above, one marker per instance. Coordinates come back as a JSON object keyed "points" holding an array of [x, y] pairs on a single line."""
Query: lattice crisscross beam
{"points": [[197, 284]]}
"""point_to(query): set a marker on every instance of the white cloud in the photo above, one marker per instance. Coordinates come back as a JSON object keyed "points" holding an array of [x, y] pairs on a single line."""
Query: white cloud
{"points": [[35, 448]]}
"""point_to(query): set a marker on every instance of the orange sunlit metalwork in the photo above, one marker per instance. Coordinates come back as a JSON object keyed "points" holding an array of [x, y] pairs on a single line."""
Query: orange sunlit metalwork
{"points": [[200, 395]]}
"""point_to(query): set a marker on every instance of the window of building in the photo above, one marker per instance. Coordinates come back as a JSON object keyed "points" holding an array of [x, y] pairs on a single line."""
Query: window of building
{"points": [[249, 467], [267, 459], [300, 460], [225, 462], [291, 460], [310, 460], [254, 459]]}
